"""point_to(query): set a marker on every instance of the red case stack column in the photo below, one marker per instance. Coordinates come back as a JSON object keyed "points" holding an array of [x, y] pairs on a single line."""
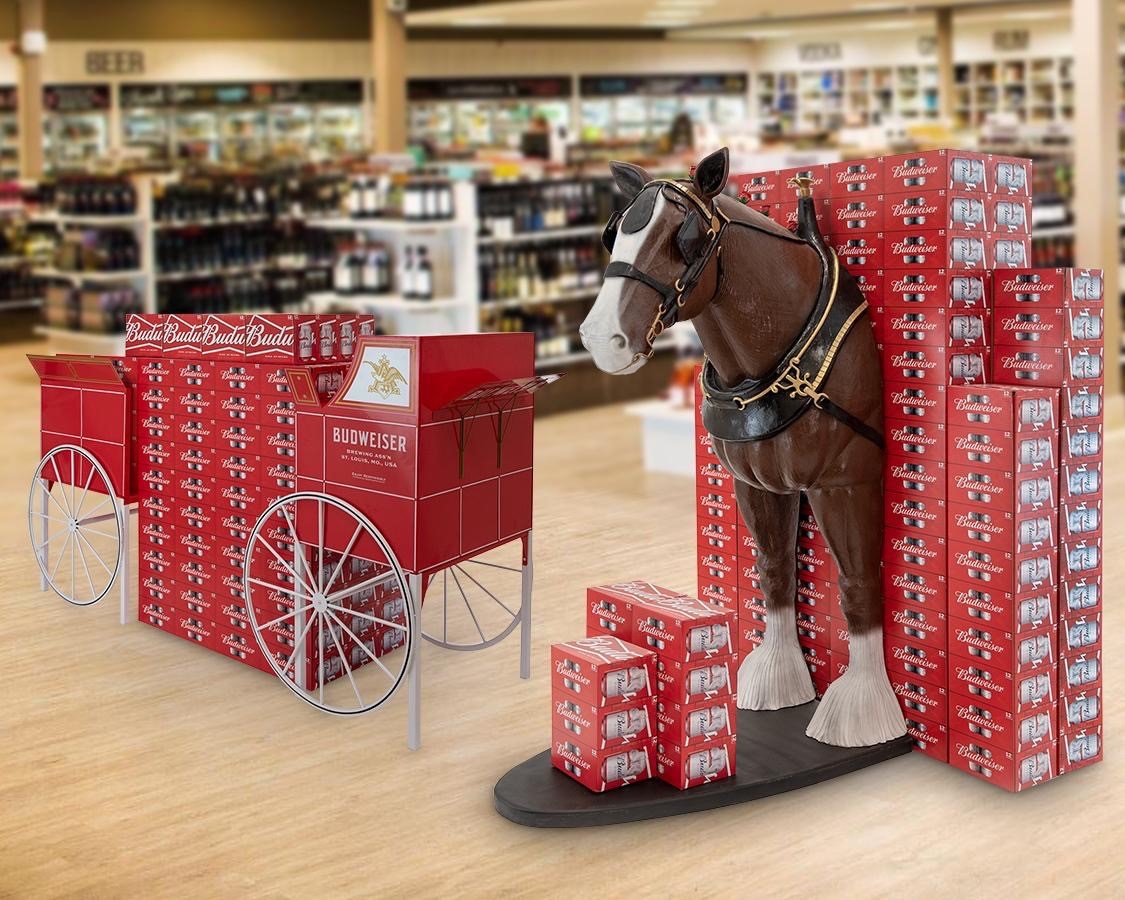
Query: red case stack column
{"points": [[1048, 328], [215, 430], [602, 711]]}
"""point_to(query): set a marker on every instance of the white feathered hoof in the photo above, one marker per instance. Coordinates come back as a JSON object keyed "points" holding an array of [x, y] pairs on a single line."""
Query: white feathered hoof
{"points": [[774, 676], [859, 709]]}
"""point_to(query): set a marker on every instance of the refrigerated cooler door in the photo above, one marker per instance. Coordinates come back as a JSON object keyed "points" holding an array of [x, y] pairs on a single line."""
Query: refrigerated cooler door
{"points": [[73, 139], [432, 122], [597, 120], [630, 116], [339, 130], [197, 135], [147, 130], [473, 123], [244, 135], [290, 130]]}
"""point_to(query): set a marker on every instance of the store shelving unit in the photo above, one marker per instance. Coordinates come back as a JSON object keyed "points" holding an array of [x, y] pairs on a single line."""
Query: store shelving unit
{"points": [[811, 100], [66, 340], [452, 248]]}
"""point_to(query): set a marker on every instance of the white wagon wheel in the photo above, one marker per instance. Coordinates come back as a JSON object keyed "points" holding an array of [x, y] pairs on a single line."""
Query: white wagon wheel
{"points": [[76, 525], [336, 651], [478, 602]]}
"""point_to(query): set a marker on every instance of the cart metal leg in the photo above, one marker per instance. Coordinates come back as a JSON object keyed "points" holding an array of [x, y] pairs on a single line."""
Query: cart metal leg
{"points": [[126, 515], [44, 494], [525, 609], [414, 678]]}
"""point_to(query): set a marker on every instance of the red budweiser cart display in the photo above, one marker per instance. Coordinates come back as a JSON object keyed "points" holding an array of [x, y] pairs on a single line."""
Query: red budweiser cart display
{"points": [[302, 486]]}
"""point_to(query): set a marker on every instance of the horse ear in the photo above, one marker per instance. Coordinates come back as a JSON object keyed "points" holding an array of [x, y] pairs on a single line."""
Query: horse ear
{"points": [[711, 174], [630, 179]]}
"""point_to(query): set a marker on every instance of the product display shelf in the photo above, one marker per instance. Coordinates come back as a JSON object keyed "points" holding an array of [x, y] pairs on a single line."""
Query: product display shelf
{"points": [[215, 222], [63, 340], [546, 234], [519, 302], [455, 307]]}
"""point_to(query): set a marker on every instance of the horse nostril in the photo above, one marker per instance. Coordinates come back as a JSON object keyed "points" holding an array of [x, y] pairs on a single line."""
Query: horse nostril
{"points": [[618, 341]]}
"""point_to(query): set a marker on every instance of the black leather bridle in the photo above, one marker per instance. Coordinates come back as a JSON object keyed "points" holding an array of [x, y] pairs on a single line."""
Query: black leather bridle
{"points": [[697, 239]]}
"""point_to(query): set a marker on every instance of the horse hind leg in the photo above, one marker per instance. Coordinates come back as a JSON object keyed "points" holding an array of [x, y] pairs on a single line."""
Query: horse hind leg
{"points": [[859, 708], [775, 675]]}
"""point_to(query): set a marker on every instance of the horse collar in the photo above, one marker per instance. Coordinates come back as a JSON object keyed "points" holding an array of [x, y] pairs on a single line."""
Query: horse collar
{"points": [[759, 408]]}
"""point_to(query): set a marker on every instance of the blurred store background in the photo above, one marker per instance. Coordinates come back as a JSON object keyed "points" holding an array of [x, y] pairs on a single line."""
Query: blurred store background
{"points": [[442, 163]]}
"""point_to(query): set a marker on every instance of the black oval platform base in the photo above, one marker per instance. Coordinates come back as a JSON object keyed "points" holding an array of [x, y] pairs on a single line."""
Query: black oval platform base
{"points": [[774, 756]]}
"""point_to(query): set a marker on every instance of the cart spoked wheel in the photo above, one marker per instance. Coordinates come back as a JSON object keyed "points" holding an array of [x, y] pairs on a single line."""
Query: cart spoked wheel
{"points": [[329, 603], [478, 602], [76, 524]]}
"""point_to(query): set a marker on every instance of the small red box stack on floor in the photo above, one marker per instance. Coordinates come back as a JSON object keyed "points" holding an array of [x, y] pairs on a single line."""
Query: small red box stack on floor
{"points": [[602, 710], [216, 445], [1048, 328], [696, 670]]}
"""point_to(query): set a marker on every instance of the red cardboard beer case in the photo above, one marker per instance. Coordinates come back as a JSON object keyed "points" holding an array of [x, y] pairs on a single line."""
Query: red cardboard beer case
{"points": [[273, 338], [761, 187], [692, 682], [979, 446], [144, 335], [238, 377], [1080, 671], [750, 636], [710, 474], [1082, 442], [1020, 574], [940, 287], [908, 476], [1050, 366], [820, 663], [785, 214], [915, 401], [1080, 633], [1004, 409], [681, 628], [906, 621], [913, 439], [932, 325], [820, 595], [818, 175], [609, 607], [950, 170], [1059, 288], [696, 724], [1009, 771], [155, 399], [977, 678], [1081, 709], [194, 458], [601, 770], [1014, 732], [195, 402], [1080, 748], [915, 363], [751, 605], [242, 407], [915, 514], [238, 437], [153, 370], [856, 213], [814, 629], [193, 374], [860, 251], [717, 535], [1080, 519], [914, 550], [916, 661], [996, 489], [603, 727], [971, 640], [603, 670], [920, 698], [717, 505], [718, 567], [204, 336], [926, 589], [1080, 481], [974, 601], [928, 737], [688, 767], [870, 283], [1080, 557], [1002, 251], [192, 430], [856, 178], [815, 561]]}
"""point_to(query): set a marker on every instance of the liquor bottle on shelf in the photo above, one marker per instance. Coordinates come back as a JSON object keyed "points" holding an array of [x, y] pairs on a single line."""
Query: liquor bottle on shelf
{"points": [[545, 270], [347, 272], [376, 275], [406, 274], [422, 283], [111, 196]]}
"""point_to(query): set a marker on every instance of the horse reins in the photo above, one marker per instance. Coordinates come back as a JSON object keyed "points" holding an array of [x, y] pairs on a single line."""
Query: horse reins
{"points": [[672, 296]]}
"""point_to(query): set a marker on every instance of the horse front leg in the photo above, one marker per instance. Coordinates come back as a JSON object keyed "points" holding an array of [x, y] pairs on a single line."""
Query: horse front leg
{"points": [[859, 708], [775, 675]]}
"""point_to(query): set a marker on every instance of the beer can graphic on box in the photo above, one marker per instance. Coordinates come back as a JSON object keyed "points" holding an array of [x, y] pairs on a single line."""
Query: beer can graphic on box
{"points": [[1079, 748], [1009, 771], [697, 723], [602, 670], [1015, 732], [688, 767], [1081, 709], [603, 727], [601, 770], [689, 683], [1060, 288], [609, 607]]}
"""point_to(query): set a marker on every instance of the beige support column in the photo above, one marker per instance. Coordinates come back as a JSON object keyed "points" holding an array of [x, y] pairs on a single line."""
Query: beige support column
{"points": [[30, 95], [944, 48], [1097, 207], [388, 43]]}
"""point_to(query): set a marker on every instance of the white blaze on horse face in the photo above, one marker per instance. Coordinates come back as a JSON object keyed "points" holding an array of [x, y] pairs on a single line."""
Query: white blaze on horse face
{"points": [[602, 333]]}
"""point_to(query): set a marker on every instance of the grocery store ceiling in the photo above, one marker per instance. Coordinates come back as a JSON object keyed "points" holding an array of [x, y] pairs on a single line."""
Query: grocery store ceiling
{"points": [[675, 16]]}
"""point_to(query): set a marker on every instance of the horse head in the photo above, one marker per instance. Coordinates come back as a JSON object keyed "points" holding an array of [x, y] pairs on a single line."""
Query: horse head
{"points": [[661, 251]]}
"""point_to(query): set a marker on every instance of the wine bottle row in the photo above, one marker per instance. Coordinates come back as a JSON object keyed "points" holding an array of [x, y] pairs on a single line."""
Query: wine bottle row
{"points": [[509, 210], [100, 250], [237, 246], [90, 196], [555, 334], [235, 294], [539, 272], [417, 199]]}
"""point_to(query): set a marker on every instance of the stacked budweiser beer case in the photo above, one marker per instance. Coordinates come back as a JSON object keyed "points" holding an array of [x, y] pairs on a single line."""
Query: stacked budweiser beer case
{"points": [[1048, 330], [215, 446], [696, 668], [602, 711]]}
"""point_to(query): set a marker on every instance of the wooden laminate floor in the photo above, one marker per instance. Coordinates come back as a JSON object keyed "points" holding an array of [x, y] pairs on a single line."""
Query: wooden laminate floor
{"points": [[133, 764]]}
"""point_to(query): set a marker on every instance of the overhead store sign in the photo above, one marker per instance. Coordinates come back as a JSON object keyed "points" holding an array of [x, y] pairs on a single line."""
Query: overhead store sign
{"points": [[115, 62], [76, 97], [250, 93], [419, 89], [662, 85]]}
